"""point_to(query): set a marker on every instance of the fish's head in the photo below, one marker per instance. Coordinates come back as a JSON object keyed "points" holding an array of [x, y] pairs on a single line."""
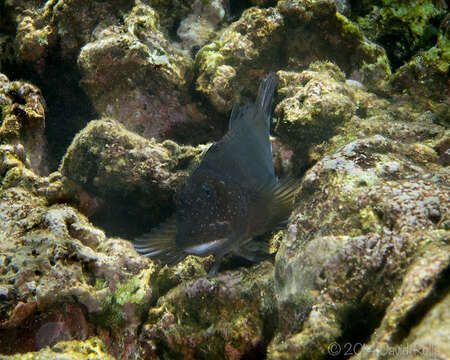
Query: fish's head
{"points": [[209, 208]]}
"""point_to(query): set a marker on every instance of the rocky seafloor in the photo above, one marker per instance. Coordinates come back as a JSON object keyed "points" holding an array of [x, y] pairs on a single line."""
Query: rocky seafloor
{"points": [[106, 107]]}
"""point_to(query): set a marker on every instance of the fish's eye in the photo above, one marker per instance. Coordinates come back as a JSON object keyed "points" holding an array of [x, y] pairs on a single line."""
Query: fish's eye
{"points": [[208, 190]]}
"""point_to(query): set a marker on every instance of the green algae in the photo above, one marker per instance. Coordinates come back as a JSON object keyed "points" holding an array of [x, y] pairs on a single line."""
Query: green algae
{"points": [[402, 27]]}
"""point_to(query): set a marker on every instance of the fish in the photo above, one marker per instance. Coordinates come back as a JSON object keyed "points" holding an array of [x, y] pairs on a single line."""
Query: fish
{"points": [[231, 197]]}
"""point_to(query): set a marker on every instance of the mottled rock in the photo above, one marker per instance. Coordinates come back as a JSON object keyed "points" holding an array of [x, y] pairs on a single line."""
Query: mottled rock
{"points": [[290, 37], [67, 25], [233, 317], [401, 27], [60, 277], [134, 178], [414, 326], [425, 76], [201, 25], [366, 215], [23, 122], [134, 74], [245, 47]]}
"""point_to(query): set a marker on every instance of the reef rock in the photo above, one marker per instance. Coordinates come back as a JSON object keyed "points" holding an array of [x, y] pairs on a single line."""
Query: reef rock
{"points": [[89, 349], [368, 243], [401, 27], [234, 317], [425, 76], [290, 37], [134, 178], [134, 74], [23, 122], [201, 25], [65, 26], [61, 278]]}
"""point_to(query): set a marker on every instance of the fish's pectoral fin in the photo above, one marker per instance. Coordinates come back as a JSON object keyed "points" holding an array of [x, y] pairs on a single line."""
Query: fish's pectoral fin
{"points": [[275, 202], [159, 244]]}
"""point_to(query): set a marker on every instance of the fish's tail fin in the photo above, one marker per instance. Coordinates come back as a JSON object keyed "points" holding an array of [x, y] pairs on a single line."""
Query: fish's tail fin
{"points": [[160, 244], [265, 93]]}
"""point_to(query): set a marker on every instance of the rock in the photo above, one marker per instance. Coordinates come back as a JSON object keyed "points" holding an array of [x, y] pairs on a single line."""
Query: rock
{"points": [[93, 347], [234, 313], [59, 275], [201, 25], [412, 326], [230, 68], [68, 25], [134, 178], [23, 122], [370, 219], [401, 27], [135, 75], [425, 76], [246, 43]]}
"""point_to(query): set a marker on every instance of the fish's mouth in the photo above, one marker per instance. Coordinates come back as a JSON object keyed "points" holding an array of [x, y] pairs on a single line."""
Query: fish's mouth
{"points": [[206, 248]]}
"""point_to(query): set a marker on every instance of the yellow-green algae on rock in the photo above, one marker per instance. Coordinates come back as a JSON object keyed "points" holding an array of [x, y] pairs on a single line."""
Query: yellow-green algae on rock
{"points": [[372, 215], [289, 36], [22, 109], [91, 349], [401, 27], [136, 177], [229, 316]]}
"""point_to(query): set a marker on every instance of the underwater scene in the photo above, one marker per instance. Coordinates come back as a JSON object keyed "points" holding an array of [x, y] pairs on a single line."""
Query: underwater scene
{"points": [[223, 179]]}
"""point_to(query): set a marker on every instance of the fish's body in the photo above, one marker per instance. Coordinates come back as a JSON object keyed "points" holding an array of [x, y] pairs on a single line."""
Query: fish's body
{"points": [[231, 197]]}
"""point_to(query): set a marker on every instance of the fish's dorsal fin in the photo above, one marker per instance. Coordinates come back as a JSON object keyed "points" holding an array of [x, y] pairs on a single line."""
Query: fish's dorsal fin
{"points": [[265, 93], [245, 152]]}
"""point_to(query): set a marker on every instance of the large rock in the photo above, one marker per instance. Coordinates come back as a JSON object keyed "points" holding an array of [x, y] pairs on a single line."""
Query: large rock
{"points": [[135, 75], [69, 350], [425, 76], [43, 26], [133, 178], [234, 313], [61, 278], [371, 217]]}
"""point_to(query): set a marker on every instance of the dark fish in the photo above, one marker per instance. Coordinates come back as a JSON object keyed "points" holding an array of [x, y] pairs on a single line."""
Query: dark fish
{"points": [[231, 197]]}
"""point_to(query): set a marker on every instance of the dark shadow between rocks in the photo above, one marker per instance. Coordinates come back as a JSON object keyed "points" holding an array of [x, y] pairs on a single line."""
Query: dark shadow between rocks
{"points": [[68, 109], [358, 323], [440, 290]]}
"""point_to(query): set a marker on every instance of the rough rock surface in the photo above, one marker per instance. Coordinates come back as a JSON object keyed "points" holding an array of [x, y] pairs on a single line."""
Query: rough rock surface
{"points": [[401, 27], [23, 122], [134, 74], [369, 241], [201, 25], [93, 348], [132, 179], [425, 76], [235, 312], [230, 67], [362, 267]]}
